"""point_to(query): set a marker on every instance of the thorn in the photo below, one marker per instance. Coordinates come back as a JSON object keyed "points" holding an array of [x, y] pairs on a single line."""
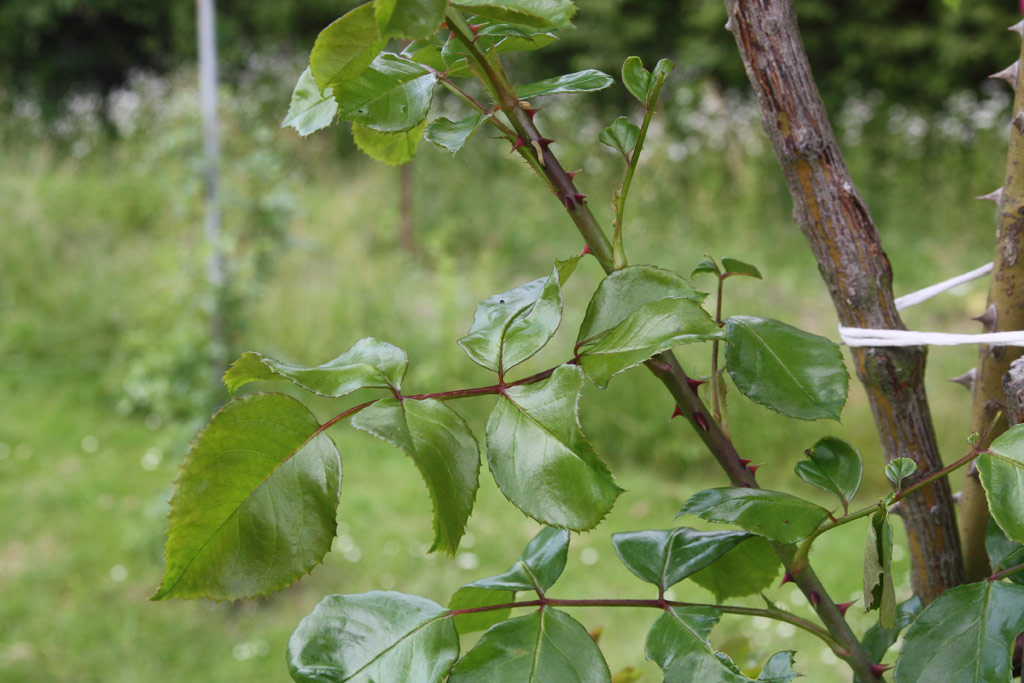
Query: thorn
{"points": [[879, 669], [814, 598], [989, 318], [475, 28], [956, 498], [580, 197], [571, 174], [786, 578], [518, 143], [544, 142], [1018, 28], [568, 201], [530, 111], [694, 383], [676, 412], [1009, 74], [702, 421], [843, 606], [586, 250], [753, 468], [444, 24], [744, 462], [967, 379], [1018, 121], [992, 196], [451, 35]]}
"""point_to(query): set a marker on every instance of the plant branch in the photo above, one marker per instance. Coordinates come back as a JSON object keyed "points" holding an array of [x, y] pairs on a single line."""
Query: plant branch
{"points": [[1006, 572], [483, 391]]}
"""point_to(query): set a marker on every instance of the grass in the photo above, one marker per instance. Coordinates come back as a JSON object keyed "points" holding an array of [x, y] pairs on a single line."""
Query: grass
{"points": [[98, 278]]}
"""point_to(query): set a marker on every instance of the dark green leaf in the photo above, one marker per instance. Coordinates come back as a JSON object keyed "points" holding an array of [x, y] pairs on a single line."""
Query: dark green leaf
{"points": [[790, 371], [392, 94], [779, 668], [376, 636], [1002, 552], [734, 267], [510, 327], [409, 18], [1002, 475], [445, 451], [537, 568], [833, 465], [469, 597], [966, 635], [636, 78], [546, 645], [745, 570], [879, 592], [540, 458], [665, 558], [537, 13], [369, 364], [393, 149], [346, 47], [310, 110], [621, 135], [581, 81], [452, 135], [899, 469], [772, 514], [878, 640], [255, 505], [708, 265]]}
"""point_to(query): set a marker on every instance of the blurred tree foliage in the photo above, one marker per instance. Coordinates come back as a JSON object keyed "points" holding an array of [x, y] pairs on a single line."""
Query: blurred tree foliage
{"points": [[915, 51]]}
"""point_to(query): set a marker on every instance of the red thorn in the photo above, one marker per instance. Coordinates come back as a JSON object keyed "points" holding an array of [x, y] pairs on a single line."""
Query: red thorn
{"points": [[544, 142], [568, 201], [744, 462], [580, 197], [676, 412], [753, 468], [531, 113], [879, 669], [694, 383], [814, 598], [786, 578], [586, 250], [444, 24], [843, 606], [451, 35], [475, 28], [518, 143], [571, 174], [701, 420]]}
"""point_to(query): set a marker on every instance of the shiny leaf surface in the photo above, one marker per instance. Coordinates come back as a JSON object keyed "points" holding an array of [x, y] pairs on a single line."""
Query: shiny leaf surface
{"points": [[747, 569], [452, 135], [1003, 553], [835, 466], [636, 78], [409, 18], [665, 558], [775, 515], [392, 94], [310, 110], [621, 135], [469, 597], [536, 13], [537, 568], [735, 267], [589, 80], [1002, 475]]}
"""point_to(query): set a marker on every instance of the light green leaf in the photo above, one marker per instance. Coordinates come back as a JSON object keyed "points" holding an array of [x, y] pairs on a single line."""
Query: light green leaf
{"points": [[469, 597], [787, 370], [346, 47], [409, 18], [536, 13], [636, 78], [779, 668], [452, 135], [537, 568], [392, 94], [966, 635], [708, 266], [540, 458], [775, 515], [369, 364], [665, 558], [255, 505], [589, 80], [510, 327], [371, 637], [1002, 475], [445, 451], [621, 135], [879, 592], [310, 110], [734, 267], [393, 149], [745, 570], [899, 469], [546, 645], [835, 466]]}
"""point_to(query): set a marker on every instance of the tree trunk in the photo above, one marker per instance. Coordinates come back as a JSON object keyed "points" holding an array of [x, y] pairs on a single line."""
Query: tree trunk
{"points": [[845, 242]]}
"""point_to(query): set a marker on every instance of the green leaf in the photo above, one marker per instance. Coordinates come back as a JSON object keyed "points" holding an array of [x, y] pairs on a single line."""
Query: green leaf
{"points": [[536, 13], [835, 466], [444, 450], [636, 78], [546, 645], [708, 265], [510, 327], [879, 592], [346, 47], [469, 597], [310, 110], [540, 459], [392, 94], [678, 643], [409, 18], [376, 636], [1002, 552], [779, 668], [255, 505], [625, 291], [537, 568], [787, 370], [734, 267], [966, 635], [745, 570], [878, 640], [621, 135], [899, 469], [369, 364], [452, 135], [393, 149], [775, 515], [589, 80], [1002, 475], [654, 327], [665, 558]]}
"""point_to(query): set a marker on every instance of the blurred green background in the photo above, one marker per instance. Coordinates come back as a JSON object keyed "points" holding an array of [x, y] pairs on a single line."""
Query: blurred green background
{"points": [[104, 307]]}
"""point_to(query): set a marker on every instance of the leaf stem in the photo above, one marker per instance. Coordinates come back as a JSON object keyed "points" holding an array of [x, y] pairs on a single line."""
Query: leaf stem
{"points": [[716, 406], [1006, 572], [483, 391]]}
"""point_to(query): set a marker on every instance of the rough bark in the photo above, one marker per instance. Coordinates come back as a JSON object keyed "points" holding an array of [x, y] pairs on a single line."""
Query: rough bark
{"points": [[1004, 311], [837, 224]]}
